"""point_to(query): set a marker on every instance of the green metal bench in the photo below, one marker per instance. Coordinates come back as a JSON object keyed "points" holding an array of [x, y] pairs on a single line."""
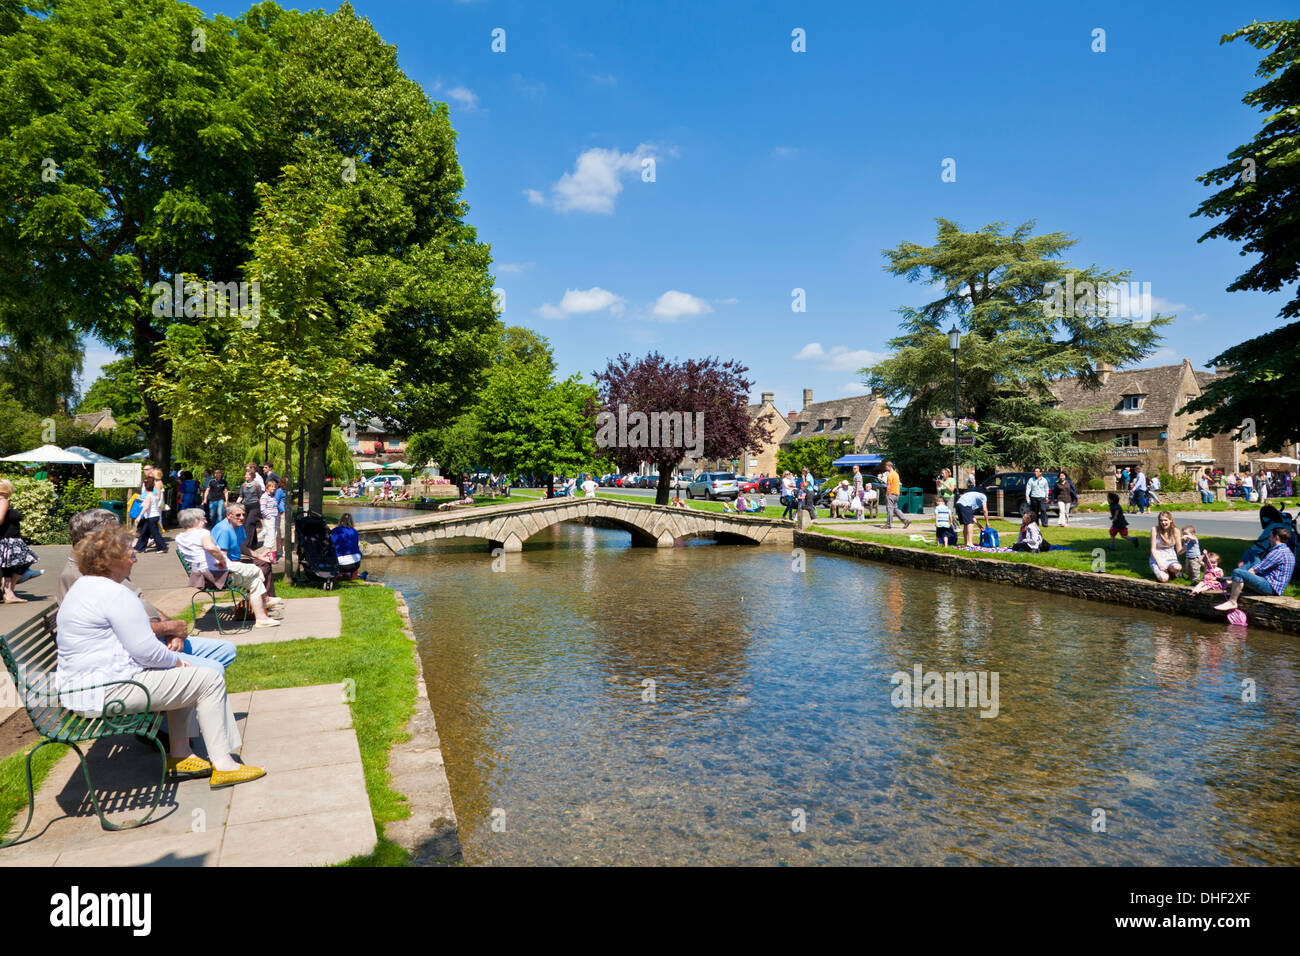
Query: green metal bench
{"points": [[236, 593], [31, 656]]}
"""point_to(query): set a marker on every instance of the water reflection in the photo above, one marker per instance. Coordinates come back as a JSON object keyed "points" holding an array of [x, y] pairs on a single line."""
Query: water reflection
{"points": [[772, 694]]}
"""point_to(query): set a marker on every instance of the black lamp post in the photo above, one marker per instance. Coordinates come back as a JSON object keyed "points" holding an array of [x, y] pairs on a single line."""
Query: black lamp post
{"points": [[954, 343]]}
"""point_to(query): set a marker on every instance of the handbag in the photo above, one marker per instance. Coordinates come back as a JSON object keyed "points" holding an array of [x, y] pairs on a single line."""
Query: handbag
{"points": [[136, 507]]}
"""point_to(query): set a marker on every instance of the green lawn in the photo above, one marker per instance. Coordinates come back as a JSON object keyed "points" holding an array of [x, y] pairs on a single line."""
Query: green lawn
{"points": [[1233, 505], [1125, 560], [372, 651]]}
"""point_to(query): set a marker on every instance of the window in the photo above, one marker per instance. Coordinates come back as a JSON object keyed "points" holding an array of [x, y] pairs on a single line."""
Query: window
{"points": [[821, 424], [1127, 440], [798, 427], [1131, 403], [839, 423]]}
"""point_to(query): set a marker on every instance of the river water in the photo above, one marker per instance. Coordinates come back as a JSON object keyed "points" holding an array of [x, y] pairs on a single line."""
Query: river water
{"points": [[769, 734]]}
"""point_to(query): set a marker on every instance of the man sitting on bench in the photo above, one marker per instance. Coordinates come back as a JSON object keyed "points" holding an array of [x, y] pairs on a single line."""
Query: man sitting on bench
{"points": [[204, 557], [199, 651]]}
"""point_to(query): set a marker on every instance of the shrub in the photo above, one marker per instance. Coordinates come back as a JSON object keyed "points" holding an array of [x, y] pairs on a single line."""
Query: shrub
{"points": [[1170, 482], [37, 502], [77, 494], [1096, 484]]}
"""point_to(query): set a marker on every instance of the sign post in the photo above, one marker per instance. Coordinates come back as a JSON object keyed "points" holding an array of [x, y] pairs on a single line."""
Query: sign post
{"points": [[114, 475]]}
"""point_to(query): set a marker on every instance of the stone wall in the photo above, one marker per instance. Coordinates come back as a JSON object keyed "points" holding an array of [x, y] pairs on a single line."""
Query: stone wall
{"points": [[1275, 613]]}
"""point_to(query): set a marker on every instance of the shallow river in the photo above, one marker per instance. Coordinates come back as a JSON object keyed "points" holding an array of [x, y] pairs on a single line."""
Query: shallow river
{"points": [[769, 734]]}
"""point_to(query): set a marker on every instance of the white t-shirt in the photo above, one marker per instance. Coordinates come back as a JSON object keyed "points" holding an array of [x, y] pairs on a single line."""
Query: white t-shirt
{"points": [[104, 635], [974, 500], [190, 545], [589, 488]]}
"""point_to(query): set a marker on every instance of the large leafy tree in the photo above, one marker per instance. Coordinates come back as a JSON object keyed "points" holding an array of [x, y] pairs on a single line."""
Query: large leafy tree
{"points": [[816, 453], [373, 144], [708, 387], [1257, 202], [42, 366], [117, 388], [996, 292], [528, 422], [132, 133]]}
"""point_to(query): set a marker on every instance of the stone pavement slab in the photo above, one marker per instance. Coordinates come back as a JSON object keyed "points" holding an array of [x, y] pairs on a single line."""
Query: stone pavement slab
{"points": [[303, 617], [310, 810]]}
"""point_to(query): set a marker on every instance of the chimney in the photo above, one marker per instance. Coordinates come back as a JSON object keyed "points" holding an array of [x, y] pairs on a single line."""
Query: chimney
{"points": [[1103, 371], [767, 397], [807, 397]]}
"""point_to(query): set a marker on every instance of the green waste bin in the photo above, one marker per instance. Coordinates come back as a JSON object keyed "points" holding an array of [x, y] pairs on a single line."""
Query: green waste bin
{"points": [[113, 506], [915, 501]]}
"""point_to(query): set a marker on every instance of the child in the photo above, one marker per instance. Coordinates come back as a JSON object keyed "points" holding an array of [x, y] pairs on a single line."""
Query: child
{"points": [[270, 517], [1192, 550], [1031, 536], [1213, 580], [1118, 523], [944, 533]]}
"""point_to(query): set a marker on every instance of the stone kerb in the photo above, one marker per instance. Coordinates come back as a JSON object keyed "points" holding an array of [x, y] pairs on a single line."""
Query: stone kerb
{"points": [[1274, 613]]}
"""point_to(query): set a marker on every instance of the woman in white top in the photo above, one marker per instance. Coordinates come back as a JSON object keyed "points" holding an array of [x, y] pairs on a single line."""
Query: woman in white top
{"points": [[150, 523], [104, 638]]}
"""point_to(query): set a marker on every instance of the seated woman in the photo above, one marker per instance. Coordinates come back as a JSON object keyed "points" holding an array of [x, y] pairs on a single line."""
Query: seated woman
{"points": [[347, 547], [104, 638], [1166, 546], [1031, 536]]}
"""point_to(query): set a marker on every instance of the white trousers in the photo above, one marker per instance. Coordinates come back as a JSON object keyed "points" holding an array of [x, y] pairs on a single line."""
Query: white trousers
{"points": [[248, 576], [185, 694]]}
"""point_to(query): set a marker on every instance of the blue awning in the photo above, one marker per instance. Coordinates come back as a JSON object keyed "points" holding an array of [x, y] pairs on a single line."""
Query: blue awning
{"points": [[863, 460]]}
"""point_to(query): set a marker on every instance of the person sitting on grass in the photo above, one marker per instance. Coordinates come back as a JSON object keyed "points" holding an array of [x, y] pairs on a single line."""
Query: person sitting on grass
{"points": [[1031, 536], [1166, 546], [1213, 579], [677, 503], [104, 638], [1269, 577], [1118, 523], [211, 565], [346, 546], [199, 651]]}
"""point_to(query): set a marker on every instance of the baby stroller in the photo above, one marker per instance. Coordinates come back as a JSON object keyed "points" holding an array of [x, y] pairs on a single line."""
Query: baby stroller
{"points": [[317, 562]]}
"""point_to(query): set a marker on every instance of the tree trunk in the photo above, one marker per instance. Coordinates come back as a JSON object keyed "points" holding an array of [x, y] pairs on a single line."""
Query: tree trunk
{"points": [[550, 485], [664, 491], [318, 439], [288, 500], [158, 427]]}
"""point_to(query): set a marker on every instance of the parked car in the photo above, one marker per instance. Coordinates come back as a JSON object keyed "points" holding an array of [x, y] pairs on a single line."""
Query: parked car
{"points": [[748, 485], [769, 486], [396, 482], [1012, 485], [651, 481], [713, 485]]}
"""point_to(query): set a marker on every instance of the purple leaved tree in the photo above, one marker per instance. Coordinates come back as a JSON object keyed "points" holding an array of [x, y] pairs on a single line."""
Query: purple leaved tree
{"points": [[661, 412]]}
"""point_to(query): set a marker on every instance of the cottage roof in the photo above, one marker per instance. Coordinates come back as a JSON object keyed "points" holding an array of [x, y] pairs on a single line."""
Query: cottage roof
{"points": [[855, 411], [1159, 385]]}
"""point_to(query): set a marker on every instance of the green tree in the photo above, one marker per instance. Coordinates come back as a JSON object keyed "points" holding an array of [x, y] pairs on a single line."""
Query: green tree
{"points": [[1027, 318], [816, 454], [117, 388], [42, 366], [457, 448], [530, 423], [19, 426], [1262, 391], [130, 159]]}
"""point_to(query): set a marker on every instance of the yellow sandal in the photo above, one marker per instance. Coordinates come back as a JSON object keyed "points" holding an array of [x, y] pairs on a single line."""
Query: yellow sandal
{"points": [[191, 766], [229, 778]]}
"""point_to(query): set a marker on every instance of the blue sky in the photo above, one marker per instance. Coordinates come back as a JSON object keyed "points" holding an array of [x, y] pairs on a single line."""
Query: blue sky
{"points": [[776, 170]]}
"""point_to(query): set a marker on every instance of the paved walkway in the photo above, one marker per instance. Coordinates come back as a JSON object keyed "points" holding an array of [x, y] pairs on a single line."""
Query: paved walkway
{"points": [[311, 808]]}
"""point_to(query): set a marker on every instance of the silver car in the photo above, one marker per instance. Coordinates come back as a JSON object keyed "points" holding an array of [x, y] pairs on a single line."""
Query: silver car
{"points": [[713, 484]]}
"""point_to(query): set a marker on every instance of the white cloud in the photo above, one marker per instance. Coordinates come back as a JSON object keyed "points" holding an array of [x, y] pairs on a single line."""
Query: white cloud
{"points": [[465, 97], [596, 180], [728, 301], [514, 266], [1180, 309], [534, 197], [855, 388], [673, 305], [840, 357], [577, 301]]}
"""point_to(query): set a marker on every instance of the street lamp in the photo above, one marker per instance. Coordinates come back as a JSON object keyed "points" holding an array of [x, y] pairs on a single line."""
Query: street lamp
{"points": [[954, 343]]}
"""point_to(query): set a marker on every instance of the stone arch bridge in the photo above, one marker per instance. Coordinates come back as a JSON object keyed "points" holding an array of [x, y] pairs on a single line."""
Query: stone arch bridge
{"points": [[508, 526]]}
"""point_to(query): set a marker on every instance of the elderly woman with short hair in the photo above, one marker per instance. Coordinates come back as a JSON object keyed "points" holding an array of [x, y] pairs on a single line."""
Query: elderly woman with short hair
{"points": [[104, 638]]}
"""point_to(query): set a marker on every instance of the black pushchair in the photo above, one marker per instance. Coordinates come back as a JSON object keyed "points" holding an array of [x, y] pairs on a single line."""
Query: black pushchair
{"points": [[317, 562]]}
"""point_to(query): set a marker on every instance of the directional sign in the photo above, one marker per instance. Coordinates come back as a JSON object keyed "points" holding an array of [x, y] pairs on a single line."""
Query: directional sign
{"points": [[958, 440], [942, 423], [110, 475]]}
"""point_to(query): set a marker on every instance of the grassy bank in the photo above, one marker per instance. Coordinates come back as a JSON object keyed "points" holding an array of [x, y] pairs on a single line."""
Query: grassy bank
{"points": [[1125, 560], [372, 651]]}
